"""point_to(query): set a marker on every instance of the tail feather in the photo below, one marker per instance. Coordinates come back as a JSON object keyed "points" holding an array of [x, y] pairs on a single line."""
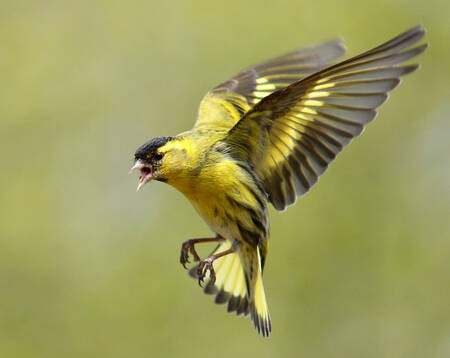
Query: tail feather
{"points": [[239, 283], [259, 309]]}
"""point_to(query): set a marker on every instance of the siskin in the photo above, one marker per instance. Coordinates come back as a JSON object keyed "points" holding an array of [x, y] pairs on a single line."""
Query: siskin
{"points": [[267, 135]]}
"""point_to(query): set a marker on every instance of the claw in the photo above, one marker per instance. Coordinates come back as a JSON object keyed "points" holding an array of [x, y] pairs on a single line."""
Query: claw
{"points": [[184, 257], [204, 266], [186, 248], [194, 253], [184, 260]]}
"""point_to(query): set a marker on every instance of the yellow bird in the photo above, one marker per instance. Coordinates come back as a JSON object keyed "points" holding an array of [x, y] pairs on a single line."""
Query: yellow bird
{"points": [[267, 135]]}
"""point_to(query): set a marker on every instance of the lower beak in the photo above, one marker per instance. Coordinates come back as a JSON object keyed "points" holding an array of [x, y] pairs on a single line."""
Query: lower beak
{"points": [[146, 175], [144, 179]]}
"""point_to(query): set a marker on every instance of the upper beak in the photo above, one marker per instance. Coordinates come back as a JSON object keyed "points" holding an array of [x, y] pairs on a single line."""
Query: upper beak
{"points": [[137, 166], [146, 173]]}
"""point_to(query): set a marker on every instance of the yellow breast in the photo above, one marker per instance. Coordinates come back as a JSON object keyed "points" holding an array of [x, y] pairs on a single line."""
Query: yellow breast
{"points": [[224, 196]]}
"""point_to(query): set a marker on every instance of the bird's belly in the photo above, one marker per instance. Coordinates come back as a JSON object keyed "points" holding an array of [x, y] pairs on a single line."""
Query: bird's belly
{"points": [[228, 200], [216, 217]]}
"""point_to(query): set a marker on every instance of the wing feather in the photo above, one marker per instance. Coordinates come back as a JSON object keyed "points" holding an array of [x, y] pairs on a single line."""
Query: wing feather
{"points": [[291, 136], [224, 105]]}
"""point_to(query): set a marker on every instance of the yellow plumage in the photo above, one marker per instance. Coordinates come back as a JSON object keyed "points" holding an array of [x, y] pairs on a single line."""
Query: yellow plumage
{"points": [[266, 135]]}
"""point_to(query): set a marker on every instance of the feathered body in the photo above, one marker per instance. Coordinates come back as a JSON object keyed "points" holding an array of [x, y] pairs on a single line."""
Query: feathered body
{"points": [[230, 199], [267, 135]]}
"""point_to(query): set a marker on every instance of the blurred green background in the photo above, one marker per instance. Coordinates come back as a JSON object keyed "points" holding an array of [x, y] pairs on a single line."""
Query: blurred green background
{"points": [[359, 267]]}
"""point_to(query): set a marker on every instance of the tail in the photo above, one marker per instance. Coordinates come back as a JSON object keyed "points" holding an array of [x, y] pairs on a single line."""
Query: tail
{"points": [[239, 283]]}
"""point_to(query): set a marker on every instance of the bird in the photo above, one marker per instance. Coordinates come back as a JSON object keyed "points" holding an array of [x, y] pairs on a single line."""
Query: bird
{"points": [[263, 137]]}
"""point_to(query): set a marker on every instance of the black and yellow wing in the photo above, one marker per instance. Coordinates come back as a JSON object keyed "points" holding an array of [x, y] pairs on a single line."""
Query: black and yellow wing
{"points": [[290, 137], [224, 105]]}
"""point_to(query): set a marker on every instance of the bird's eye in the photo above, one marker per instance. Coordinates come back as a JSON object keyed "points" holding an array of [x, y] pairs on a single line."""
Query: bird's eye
{"points": [[159, 156]]}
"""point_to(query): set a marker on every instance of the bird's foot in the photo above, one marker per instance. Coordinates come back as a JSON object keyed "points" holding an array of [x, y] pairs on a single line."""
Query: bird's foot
{"points": [[204, 266], [186, 248]]}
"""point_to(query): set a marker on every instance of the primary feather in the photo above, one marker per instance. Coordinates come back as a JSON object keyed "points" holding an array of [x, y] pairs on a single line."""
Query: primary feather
{"points": [[292, 135], [226, 103]]}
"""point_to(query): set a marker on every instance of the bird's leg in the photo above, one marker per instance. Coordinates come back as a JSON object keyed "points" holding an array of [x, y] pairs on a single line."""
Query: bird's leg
{"points": [[188, 246], [207, 264]]}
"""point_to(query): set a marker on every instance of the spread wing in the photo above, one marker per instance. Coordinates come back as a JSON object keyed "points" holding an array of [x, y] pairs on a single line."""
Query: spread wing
{"points": [[224, 105], [290, 137]]}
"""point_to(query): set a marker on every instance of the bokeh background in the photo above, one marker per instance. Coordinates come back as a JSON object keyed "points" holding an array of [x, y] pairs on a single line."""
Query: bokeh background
{"points": [[360, 267]]}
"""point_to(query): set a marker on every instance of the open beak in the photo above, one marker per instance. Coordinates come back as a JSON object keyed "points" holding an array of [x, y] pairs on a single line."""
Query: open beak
{"points": [[146, 173]]}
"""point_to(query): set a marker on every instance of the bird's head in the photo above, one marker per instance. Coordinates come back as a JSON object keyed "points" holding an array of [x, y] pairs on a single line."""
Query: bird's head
{"points": [[161, 158]]}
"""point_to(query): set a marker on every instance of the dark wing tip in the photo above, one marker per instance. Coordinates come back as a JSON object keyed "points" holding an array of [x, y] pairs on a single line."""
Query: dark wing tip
{"points": [[417, 32], [329, 50], [410, 69], [338, 44], [422, 48], [416, 29], [419, 29]]}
